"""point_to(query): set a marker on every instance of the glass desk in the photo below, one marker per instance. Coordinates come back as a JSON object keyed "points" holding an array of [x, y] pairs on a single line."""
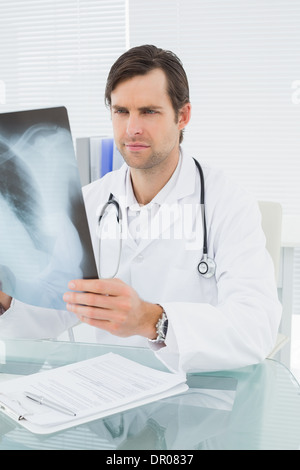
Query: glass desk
{"points": [[256, 407]]}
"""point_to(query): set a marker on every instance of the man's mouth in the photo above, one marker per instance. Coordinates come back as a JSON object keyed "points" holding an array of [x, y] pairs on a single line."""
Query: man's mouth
{"points": [[136, 146]]}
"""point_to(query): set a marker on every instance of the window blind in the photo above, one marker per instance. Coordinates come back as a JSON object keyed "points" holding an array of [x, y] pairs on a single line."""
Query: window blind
{"points": [[58, 53]]}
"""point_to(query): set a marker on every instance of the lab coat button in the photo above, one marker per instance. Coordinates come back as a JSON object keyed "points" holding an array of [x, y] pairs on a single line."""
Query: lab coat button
{"points": [[139, 259]]}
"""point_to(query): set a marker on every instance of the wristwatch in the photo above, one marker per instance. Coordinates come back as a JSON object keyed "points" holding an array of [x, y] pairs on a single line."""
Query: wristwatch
{"points": [[161, 329]]}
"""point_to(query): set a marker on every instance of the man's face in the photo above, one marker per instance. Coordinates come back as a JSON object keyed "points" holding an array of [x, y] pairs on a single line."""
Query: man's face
{"points": [[145, 128]]}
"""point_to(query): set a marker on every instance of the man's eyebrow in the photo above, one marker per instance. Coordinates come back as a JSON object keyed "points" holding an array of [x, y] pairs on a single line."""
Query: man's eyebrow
{"points": [[151, 106], [142, 108], [116, 106]]}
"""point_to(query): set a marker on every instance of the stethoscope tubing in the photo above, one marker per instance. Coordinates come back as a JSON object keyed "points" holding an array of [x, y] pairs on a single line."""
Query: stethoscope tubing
{"points": [[114, 202]]}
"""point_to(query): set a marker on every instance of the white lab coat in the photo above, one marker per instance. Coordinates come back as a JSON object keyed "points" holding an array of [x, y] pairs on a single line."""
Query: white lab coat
{"points": [[228, 321]]}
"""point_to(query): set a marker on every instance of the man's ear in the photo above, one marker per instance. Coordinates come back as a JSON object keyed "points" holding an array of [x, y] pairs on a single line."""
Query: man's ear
{"points": [[184, 115]]}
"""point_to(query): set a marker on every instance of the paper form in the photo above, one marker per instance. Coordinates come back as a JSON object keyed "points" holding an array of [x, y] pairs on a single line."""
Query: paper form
{"points": [[105, 384]]}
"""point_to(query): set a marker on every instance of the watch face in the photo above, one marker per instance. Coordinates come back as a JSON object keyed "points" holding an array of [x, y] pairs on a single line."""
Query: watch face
{"points": [[165, 327], [161, 329]]}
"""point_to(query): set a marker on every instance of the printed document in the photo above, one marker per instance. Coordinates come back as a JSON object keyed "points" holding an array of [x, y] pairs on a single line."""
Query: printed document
{"points": [[92, 389]]}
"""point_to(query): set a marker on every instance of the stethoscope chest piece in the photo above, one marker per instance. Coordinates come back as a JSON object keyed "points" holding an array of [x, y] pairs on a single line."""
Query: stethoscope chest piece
{"points": [[207, 267]]}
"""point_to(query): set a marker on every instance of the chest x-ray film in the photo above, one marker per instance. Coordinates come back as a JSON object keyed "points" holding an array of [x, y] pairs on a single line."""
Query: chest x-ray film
{"points": [[44, 235]]}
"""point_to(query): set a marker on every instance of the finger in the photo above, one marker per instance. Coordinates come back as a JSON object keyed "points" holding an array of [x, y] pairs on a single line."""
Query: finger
{"points": [[91, 312], [111, 327], [99, 286], [95, 313], [93, 300], [102, 324]]}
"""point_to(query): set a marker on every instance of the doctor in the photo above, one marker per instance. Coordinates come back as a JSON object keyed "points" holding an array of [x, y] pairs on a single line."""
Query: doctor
{"points": [[158, 298]]}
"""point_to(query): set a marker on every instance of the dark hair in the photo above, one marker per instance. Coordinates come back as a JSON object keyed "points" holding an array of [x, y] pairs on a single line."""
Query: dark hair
{"points": [[141, 60]]}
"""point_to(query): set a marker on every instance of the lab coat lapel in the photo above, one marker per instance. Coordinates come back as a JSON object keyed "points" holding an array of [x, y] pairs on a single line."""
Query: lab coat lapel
{"points": [[118, 189]]}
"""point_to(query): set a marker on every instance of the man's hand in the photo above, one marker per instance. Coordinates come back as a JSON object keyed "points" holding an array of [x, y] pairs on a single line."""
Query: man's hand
{"points": [[5, 300], [112, 305]]}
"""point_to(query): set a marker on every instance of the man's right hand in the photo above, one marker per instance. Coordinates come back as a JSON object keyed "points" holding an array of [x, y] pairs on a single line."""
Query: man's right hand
{"points": [[5, 300], [7, 278]]}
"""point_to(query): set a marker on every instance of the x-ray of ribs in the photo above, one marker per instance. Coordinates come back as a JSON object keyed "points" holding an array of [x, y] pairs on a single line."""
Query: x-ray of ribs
{"points": [[19, 190]]}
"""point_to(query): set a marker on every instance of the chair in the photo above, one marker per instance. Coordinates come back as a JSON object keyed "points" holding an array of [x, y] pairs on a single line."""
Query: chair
{"points": [[272, 226]]}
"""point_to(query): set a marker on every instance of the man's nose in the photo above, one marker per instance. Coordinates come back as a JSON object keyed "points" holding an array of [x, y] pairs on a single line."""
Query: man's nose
{"points": [[134, 126]]}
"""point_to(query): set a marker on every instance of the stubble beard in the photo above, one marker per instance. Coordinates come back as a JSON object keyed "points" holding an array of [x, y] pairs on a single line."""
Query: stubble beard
{"points": [[151, 162]]}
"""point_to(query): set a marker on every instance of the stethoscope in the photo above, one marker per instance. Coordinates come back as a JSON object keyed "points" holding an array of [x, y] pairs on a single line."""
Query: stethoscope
{"points": [[206, 266]]}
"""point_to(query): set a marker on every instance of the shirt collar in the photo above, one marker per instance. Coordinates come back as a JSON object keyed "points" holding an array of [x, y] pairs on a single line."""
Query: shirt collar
{"points": [[182, 183], [160, 197]]}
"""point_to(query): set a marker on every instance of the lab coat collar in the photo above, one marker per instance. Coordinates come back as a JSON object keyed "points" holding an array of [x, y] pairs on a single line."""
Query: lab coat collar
{"points": [[160, 197], [185, 185]]}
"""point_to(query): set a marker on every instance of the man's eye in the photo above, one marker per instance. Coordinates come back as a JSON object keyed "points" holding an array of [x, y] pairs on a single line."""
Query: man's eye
{"points": [[121, 111], [150, 111]]}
